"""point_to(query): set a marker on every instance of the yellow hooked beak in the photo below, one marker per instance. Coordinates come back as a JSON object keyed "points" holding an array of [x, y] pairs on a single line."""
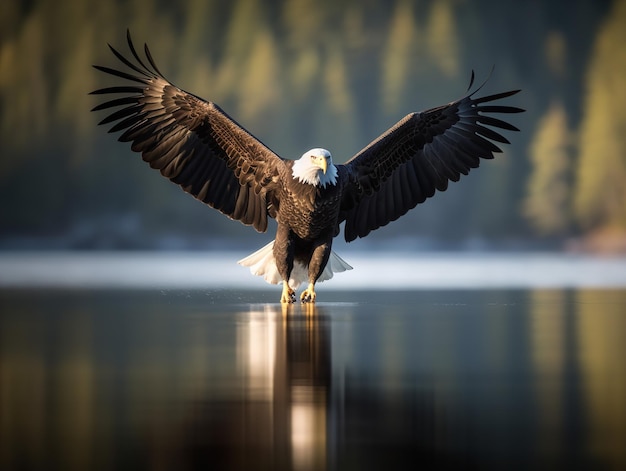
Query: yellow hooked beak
{"points": [[321, 163]]}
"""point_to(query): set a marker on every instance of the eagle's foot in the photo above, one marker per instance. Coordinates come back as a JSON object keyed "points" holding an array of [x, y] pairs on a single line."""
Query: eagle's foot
{"points": [[308, 295], [289, 295]]}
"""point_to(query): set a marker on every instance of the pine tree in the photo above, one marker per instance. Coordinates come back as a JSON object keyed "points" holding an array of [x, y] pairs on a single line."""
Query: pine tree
{"points": [[600, 192], [547, 204]]}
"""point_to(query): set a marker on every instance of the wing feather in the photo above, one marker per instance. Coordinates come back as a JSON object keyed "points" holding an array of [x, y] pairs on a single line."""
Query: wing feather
{"points": [[121, 114], [419, 155], [192, 142], [241, 205], [495, 122], [425, 178], [499, 109], [408, 183]]}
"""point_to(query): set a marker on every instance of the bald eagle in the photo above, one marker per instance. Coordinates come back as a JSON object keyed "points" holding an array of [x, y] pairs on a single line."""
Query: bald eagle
{"points": [[198, 146]]}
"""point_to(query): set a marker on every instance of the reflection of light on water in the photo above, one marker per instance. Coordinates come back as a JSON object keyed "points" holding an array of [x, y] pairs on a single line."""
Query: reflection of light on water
{"points": [[308, 428], [75, 392], [279, 358], [548, 335], [256, 347], [41, 399], [603, 369], [23, 392]]}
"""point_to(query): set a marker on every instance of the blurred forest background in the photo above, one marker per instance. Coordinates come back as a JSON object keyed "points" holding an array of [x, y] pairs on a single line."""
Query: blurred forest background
{"points": [[301, 74]]}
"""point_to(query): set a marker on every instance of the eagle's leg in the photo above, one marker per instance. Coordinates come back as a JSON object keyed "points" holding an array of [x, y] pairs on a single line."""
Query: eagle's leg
{"points": [[289, 295], [319, 259], [284, 255]]}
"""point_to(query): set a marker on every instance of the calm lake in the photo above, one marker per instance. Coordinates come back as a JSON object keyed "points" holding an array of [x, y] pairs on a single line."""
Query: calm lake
{"points": [[160, 379]]}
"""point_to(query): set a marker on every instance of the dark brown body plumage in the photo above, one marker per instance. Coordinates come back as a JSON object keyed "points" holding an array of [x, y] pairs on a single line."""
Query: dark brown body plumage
{"points": [[307, 209], [308, 220]]}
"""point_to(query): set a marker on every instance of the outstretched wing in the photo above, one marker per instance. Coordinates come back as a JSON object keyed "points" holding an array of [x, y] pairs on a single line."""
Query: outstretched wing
{"points": [[417, 156], [192, 142]]}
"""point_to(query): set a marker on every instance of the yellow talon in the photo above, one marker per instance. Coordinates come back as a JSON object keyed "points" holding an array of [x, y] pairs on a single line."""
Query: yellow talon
{"points": [[308, 295], [289, 295]]}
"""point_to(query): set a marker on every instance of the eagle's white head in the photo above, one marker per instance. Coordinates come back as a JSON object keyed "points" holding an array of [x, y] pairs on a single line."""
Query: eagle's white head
{"points": [[315, 167]]}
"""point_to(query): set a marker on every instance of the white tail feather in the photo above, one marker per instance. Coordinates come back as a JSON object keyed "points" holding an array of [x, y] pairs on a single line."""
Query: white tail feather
{"points": [[262, 263]]}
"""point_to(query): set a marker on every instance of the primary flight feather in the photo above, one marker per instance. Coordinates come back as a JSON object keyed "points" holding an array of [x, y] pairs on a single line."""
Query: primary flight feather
{"points": [[196, 145]]}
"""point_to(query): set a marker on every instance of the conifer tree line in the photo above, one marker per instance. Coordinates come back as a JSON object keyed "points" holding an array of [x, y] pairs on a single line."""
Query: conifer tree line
{"points": [[303, 73]]}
